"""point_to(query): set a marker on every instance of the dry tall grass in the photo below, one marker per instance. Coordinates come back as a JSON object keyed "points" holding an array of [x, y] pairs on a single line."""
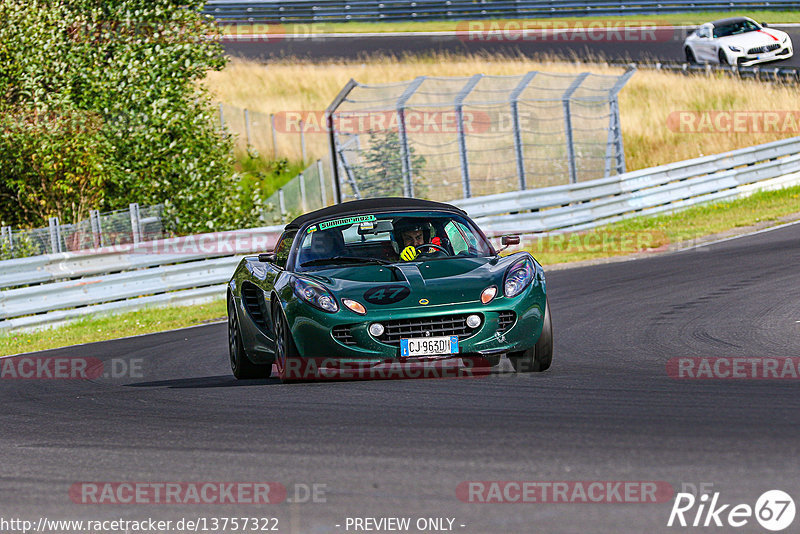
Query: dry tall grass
{"points": [[645, 103]]}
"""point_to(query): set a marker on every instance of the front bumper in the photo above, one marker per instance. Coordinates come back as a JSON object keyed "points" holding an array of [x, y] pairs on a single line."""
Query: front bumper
{"points": [[743, 59], [313, 330]]}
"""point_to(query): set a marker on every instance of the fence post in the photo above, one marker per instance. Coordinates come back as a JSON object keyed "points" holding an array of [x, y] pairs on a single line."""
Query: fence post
{"points": [[303, 204], [136, 228], [55, 235], [614, 141], [97, 230], [8, 235], [274, 141], [322, 183], [405, 153], [518, 148], [247, 127], [462, 141], [573, 171], [282, 203], [303, 142]]}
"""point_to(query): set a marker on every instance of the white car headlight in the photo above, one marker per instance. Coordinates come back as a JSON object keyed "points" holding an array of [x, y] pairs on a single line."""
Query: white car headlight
{"points": [[518, 277], [316, 295], [734, 48], [785, 38]]}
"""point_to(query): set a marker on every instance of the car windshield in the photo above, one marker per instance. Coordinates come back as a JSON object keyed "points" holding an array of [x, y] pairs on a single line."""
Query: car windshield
{"points": [[735, 28], [388, 238]]}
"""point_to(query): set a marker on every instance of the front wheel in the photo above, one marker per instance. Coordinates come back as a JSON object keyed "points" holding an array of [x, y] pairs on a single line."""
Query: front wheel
{"points": [[690, 59], [241, 366], [286, 356], [540, 357], [723, 59]]}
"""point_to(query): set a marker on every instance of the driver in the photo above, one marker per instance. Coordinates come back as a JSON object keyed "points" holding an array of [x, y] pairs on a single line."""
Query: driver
{"points": [[411, 234]]}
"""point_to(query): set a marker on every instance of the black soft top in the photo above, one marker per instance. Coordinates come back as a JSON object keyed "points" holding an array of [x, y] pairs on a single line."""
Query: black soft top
{"points": [[372, 205]]}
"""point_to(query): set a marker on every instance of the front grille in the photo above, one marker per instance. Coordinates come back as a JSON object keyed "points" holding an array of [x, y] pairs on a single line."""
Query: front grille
{"points": [[763, 49], [343, 335], [505, 319], [253, 299], [442, 325]]}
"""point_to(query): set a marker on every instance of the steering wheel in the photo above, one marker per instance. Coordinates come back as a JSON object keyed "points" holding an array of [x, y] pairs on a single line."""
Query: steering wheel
{"points": [[431, 245]]}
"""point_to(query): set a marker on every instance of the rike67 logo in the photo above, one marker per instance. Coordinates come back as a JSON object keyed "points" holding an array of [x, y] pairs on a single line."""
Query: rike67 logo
{"points": [[774, 510]]}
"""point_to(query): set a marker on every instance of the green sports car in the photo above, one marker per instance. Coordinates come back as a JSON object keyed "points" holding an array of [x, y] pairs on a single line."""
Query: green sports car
{"points": [[386, 288]]}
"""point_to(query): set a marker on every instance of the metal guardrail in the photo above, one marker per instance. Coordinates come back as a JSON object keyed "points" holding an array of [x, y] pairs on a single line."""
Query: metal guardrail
{"points": [[764, 73], [307, 11], [648, 191], [178, 270], [64, 286]]}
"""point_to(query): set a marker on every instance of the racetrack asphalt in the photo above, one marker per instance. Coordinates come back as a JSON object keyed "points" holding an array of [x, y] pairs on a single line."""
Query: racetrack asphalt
{"points": [[578, 45], [607, 410]]}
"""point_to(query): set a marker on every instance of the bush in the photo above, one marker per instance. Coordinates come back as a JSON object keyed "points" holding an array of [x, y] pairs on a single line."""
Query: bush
{"points": [[123, 75]]}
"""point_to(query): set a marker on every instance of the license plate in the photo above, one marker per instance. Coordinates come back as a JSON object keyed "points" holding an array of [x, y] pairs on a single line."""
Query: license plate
{"points": [[429, 346]]}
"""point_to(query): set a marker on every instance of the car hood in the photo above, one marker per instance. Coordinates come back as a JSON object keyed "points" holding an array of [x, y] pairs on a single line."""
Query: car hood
{"points": [[445, 281], [761, 37]]}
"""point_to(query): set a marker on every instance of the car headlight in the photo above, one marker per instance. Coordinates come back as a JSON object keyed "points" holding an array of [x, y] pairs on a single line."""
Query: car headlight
{"points": [[785, 38], [518, 277], [316, 295], [734, 48]]}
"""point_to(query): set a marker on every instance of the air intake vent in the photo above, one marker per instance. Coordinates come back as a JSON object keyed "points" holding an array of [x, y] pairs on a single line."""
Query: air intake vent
{"points": [[253, 299], [505, 320], [342, 334], [441, 325]]}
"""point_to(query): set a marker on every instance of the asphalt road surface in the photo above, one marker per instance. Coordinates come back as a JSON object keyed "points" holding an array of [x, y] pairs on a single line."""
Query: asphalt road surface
{"points": [[606, 411], [613, 45]]}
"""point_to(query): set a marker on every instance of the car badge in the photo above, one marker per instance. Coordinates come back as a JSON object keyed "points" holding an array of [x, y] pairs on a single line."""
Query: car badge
{"points": [[424, 301]]}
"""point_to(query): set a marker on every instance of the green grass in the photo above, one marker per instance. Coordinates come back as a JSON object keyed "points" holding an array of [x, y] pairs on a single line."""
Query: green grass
{"points": [[643, 233], [101, 328], [671, 19], [626, 237]]}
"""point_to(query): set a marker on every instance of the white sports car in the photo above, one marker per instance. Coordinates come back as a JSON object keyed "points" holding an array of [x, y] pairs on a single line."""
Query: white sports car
{"points": [[737, 41]]}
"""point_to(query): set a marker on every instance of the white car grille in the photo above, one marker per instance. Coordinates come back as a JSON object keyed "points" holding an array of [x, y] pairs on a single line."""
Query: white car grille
{"points": [[763, 49]]}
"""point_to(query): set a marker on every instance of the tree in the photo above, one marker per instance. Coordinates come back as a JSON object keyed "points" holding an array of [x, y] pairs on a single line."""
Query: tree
{"points": [[125, 74], [382, 172]]}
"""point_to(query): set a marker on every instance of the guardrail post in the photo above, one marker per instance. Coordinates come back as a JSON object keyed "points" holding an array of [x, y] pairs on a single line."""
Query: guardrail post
{"points": [[303, 142], [405, 152], [573, 171], [518, 149], [303, 204], [282, 203], [97, 230], [321, 175], [55, 235], [136, 228], [247, 127], [462, 141]]}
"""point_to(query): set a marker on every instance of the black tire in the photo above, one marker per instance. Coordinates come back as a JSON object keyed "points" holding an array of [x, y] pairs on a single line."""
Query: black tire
{"points": [[540, 357], [690, 59], [241, 366], [285, 349], [723, 59]]}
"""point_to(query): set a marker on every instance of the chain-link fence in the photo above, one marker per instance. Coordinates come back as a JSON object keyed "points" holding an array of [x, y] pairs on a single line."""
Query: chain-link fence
{"points": [[120, 227], [296, 136], [312, 189], [451, 138]]}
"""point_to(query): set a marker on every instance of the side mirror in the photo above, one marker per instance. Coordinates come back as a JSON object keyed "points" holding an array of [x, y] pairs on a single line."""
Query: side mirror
{"points": [[764, 24], [507, 241], [268, 257]]}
